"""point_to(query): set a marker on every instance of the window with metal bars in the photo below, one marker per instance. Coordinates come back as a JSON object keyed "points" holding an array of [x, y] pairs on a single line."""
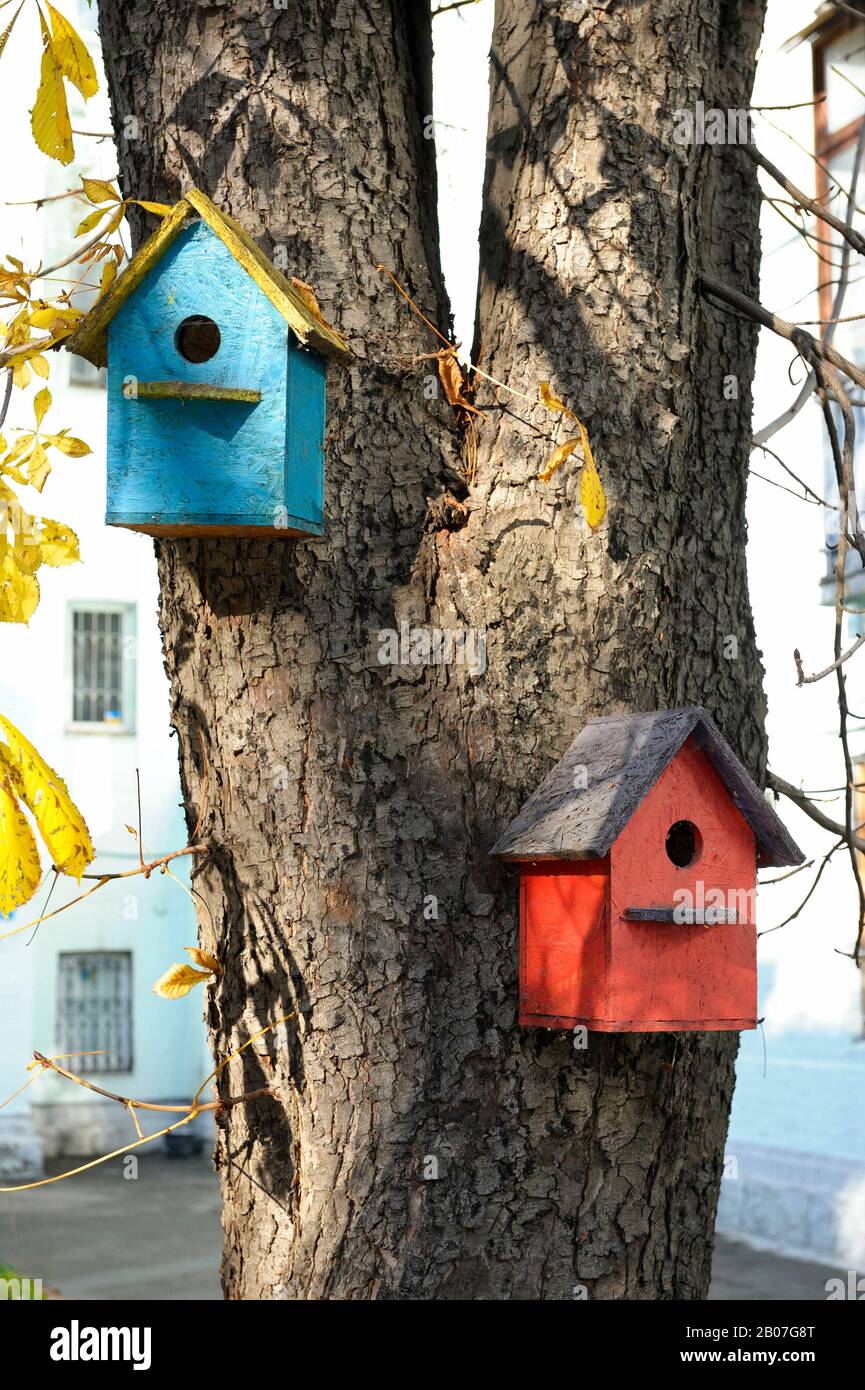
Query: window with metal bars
{"points": [[94, 1009], [101, 667]]}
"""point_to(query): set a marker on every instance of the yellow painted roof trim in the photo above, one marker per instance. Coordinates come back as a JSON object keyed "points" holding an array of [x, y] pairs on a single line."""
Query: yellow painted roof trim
{"points": [[90, 337]]}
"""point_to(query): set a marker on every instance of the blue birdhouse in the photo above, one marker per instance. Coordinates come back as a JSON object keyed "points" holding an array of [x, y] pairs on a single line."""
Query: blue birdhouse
{"points": [[216, 385]]}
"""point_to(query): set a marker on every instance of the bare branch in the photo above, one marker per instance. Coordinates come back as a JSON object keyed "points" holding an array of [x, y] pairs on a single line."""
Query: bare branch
{"points": [[819, 874], [818, 500], [855, 239], [102, 879], [819, 675], [7, 392], [805, 393], [454, 5], [797, 336], [48, 1064], [805, 804]]}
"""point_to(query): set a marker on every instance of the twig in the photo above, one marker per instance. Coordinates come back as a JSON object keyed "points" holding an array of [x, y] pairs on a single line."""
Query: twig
{"points": [[140, 832], [7, 393], [856, 239], [844, 472], [792, 106], [819, 675], [796, 336], [454, 5], [815, 495], [808, 895], [102, 879], [791, 873], [843, 283], [806, 804], [104, 1158], [236, 1053], [47, 902], [799, 498], [824, 168], [196, 1107]]}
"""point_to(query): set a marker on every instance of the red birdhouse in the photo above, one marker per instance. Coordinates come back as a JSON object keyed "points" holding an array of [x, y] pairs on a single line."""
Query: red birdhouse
{"points": [[638, 866]]}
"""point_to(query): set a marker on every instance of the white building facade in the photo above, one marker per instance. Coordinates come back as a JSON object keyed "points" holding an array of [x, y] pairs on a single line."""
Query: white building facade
{"points": [[85, 683]]}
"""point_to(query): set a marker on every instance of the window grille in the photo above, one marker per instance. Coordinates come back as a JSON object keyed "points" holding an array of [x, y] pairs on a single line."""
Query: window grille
{"points": [[99, 675], [94, 1009]]}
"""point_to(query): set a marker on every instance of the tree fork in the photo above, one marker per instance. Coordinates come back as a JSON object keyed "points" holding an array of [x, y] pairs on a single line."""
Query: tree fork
{"points": [[352, 804]]}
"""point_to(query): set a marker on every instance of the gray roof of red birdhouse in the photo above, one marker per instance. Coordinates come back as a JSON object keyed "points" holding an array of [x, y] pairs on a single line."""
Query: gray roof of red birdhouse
{"points": [[623, 756]]}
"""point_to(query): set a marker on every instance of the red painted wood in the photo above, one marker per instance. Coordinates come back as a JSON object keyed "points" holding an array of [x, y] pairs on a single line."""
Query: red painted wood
{"points": [[563, 917], [683, 976], [581, 962]]}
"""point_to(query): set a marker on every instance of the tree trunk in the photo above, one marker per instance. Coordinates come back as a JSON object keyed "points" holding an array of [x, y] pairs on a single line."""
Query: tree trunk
{"points": [[420, 1144]]}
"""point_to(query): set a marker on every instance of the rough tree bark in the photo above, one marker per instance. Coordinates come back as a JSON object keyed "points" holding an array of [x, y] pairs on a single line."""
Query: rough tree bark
{"points": [[343, 794]]}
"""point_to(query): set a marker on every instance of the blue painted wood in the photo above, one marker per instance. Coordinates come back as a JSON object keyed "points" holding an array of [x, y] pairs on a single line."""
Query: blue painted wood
{"points": [[176, 465]]}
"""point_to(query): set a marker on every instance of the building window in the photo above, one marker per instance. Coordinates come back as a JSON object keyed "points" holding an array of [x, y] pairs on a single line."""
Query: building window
{"points": [[103, 666], [83, 373], [94, 1009]]}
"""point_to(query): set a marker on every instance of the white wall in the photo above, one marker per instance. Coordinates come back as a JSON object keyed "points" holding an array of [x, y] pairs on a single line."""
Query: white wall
{"points": [[153, 919]]}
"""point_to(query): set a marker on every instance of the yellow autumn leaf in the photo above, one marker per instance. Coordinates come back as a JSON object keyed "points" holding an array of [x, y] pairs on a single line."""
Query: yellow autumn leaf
{"points": [[73, 58], [40, 365], [44, 792], [67, 444], [49, 119], [53, 316], [592, 498], [20, 447], [38, 467], [552, 402], [41, 404], [160, 209], [100, 191], [19, 592], [109, 275], [58, 544], [20, 870], [10, 471], [310, 299], [178, 980], [26, 548], [113, 223], [204, 959], [90, 221], [557, 458], [20, 374]]}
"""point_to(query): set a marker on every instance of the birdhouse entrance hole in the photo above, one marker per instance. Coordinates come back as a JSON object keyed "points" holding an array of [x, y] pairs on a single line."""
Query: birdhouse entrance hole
{"points": [[197, 339], [683, 843]]}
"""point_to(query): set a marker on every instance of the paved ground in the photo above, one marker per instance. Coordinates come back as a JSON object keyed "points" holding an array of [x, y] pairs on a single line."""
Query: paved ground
{"points": [[103, 1236], [761, 1277]]}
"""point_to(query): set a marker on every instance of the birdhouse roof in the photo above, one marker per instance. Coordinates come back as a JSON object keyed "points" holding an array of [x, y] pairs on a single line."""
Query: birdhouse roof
{"points": [[90, 338], [623, 756]]}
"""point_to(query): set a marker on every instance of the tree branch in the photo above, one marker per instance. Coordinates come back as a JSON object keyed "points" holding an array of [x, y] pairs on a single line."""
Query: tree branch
{"points": [[797, 336], [856, 239], [819, 675], [130, 1104], [804, 803]]}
